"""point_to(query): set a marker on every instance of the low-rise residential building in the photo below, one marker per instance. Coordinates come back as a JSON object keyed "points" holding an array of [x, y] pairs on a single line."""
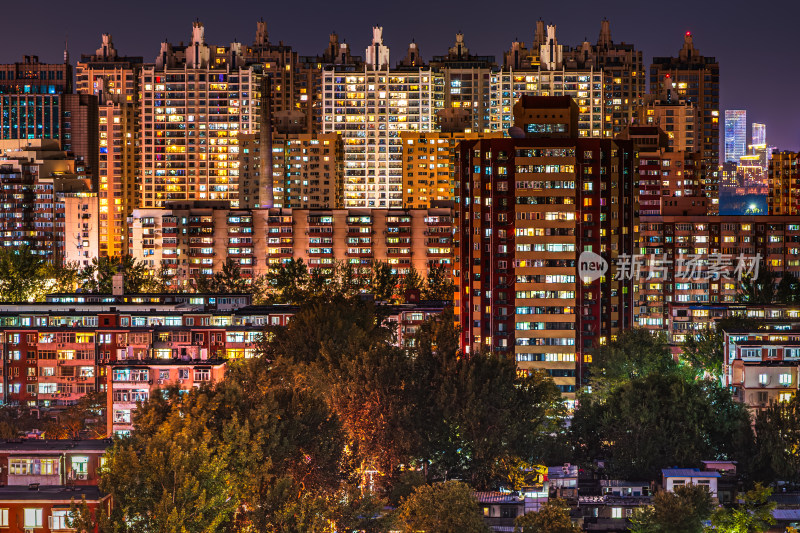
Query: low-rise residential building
{"points": [[129, 345], [621, 488], [672, 478], [133, 380], [46, 508], [685, 319], [762, 366], [609, 512], [51, 462], [500, 509]]}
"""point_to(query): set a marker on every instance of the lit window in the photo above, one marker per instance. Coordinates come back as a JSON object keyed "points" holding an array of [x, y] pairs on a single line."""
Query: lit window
{"points": [[32, 518]]}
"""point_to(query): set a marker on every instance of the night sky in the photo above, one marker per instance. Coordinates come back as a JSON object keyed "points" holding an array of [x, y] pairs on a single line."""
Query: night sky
{"points": [[756, 42]]}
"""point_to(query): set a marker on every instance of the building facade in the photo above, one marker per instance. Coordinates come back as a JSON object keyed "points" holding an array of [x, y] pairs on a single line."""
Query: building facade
{"points": [[370, 105], [529, 208], [195, 100], [699, 259], [190, 240], [735, 134], [428, 167], [697, 79], [762, 367], [114, 80], [784, 183], [35, 178]]}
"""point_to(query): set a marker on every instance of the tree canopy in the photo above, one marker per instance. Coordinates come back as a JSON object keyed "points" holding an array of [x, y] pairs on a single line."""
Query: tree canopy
{"points": [[777, 455], [27, 277], [683, 511], [447, 507], [705, 350], [658, 421], [752, 515], [553, 517], [281, 443]]}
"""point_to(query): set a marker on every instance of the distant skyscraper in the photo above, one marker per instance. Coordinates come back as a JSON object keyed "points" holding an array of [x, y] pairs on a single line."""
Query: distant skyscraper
{"points": [[759, 134], [735, 135]]}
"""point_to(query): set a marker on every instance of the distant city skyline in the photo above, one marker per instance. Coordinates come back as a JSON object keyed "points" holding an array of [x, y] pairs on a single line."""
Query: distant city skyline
{"points": [[715, 25]]}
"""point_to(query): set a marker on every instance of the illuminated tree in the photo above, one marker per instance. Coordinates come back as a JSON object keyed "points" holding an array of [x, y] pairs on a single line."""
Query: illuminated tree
{"points": [[553, 517], [753, 515], [448, 507], [682, 511]]}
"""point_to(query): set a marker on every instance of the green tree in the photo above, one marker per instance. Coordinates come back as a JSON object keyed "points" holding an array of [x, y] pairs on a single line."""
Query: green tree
{"points": [[438, 284], [289, 281], [15, 421], [20, 271], [477, 397], [682, 511], [85, 419], [758, 290], [229, 280], [777, 456], [98, 276], [324, 333], [553, 517], [27, 277], [383, 281], [753, 515], [658, 421], [448, 507], [174, 478], [410, 281], [705, 350], [788, 290], [635, 353]]}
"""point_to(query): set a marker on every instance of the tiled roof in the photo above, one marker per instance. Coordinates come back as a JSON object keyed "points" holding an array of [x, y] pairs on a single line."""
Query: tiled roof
{"points": [[497, 497]]}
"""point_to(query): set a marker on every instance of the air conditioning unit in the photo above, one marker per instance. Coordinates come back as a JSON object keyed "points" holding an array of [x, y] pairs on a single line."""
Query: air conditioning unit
{"points": [[180, 381]]}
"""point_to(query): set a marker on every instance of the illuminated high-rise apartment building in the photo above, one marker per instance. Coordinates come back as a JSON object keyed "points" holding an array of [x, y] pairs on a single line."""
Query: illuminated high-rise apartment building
{"points": [[606, 79], [194, 102], [307, 171], [428, 171], [529, 208], [784, 183], [370, 104], [677, 117], [294, 82], [114, 80], [550, 75], [697, 79], [735, 134], [467, 82]]}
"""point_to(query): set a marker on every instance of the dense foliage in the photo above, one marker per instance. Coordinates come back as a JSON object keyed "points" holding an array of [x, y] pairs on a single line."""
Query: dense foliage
{"points": [[682, 511], [650, 412], [281, 443]]}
